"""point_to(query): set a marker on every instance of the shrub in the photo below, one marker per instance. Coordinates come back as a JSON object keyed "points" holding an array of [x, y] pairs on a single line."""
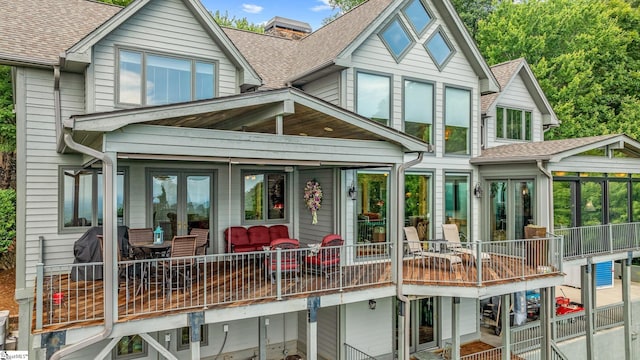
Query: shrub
{"points": [[7, 218]]}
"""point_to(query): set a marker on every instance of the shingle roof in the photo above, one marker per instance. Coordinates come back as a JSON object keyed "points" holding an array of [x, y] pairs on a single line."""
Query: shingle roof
{"points": [[503, 72], [540, 150], [271, 56], [60, 25], [296, 57]]}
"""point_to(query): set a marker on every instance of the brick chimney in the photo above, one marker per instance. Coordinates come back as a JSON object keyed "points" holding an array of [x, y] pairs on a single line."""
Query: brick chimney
{"points": [[287, 28]]}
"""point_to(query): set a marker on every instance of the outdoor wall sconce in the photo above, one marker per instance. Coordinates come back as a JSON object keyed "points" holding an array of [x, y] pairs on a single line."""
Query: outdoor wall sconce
{"points": [[477, 190], [372, 304], [353, 192]]}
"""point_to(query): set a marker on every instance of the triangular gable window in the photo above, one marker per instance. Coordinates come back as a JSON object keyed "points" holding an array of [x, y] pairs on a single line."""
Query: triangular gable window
{"points": [[418, 15], [397, 39], [439, 48]]}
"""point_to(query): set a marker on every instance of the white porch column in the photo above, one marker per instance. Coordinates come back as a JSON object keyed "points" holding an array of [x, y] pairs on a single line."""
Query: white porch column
{"points": [[195, 324], [455, 328], [587, 300], [263, 322], [110, 210], [505, 318], [626, 311], [313, 304], [546, 309]]}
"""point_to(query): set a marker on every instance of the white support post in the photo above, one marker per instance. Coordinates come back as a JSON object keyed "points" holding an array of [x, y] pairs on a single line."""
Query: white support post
{"points": [[546, 317], [505, 318], [587, 300], [159, 348], [106, 352], [262, 337], [313, 304], [455, 328], [626, 310]]}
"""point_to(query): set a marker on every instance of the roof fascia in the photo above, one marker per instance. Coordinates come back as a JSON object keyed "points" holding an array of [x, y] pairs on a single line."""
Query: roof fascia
{"points": [[12, 60], [619, 141], [81, 51]]}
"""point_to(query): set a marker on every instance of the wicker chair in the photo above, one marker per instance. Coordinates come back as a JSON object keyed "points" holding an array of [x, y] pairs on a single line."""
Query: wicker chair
{"points": [[177, 268], [202, 240], [138, 237]]}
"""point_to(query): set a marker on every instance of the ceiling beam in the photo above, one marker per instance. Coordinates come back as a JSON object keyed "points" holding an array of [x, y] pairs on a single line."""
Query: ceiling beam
{"points": [[269, 111]]}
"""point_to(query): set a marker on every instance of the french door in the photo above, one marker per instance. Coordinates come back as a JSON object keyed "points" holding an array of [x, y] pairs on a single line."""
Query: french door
{"points": [[424, 324], [180, 200]]}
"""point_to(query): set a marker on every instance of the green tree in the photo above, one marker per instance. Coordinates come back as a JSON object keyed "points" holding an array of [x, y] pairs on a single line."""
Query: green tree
{"points": [[117, 2], [7, 116], [472, 11], [238, 23], [585, 54], [343, 6]]}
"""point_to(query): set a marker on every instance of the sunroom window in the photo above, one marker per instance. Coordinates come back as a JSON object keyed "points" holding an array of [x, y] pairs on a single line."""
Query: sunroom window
{"points": [[513, 124], [457, 121], [264, 197], [439, 48], [152, 79], [82, 191], [373, 98], [418, 16], [418, 109], [397, 39]]}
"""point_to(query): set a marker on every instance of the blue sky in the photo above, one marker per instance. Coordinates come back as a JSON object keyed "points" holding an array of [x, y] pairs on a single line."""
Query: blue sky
{"points": [[261, 11]]}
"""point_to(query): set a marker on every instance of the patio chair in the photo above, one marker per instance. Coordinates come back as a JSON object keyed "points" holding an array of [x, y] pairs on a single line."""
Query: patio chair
{"points": [[138, 237], [202, 240], [177, 268], [278, 232], [289, 262], [452, 236], [449, 260], [327, 258], [126, 273]]}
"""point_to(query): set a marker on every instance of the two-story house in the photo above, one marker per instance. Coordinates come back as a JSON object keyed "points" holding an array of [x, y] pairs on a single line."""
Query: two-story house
{"points": [[152, 119]]}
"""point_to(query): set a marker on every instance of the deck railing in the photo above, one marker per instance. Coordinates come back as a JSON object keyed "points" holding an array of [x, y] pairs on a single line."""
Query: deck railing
{"points": [[481, 263], [352, 353], [490, 354], [584, 241], [168, 284]]}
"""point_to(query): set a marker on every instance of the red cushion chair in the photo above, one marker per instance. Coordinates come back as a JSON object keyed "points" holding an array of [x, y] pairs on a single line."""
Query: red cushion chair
{"points": [[327, 259], [279, 232], [237, 238], [288, 264], [259, 236]]}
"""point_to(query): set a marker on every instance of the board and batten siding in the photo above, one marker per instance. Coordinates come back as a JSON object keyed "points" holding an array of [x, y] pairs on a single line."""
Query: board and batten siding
{"points": [[42, 162], [165, 27], [326, 88], [514, 96]]}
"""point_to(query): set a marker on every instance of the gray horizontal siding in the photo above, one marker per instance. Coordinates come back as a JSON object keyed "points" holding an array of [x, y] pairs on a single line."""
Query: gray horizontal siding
{"points": [[326, 88], [166, 27], [42, 164]]}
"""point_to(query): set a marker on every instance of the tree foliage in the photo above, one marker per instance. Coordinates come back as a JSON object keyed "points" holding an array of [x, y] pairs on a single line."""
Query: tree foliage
{"points": [[7, 218], [472, 11], [585, 54], [117, 2], [238, 23], [7, 116]]}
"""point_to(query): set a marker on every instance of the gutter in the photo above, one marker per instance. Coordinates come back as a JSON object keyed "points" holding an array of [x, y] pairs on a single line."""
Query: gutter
{"points": [[107, 227], [399, 253]]}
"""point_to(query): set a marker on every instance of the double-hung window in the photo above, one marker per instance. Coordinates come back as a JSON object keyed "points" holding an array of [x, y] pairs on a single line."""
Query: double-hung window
{"points": [[82, 197], [373, 96], [146, 78], [418, 109], [264, 197], [457, 121], [513, 124]]}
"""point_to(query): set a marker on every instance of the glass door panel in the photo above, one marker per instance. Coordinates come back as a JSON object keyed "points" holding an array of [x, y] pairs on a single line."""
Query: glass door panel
{"points": [[618, 202], [563, 204], [591, 203], [372, 207], [165, 204], [523, 193], [417, 189], [456, 192], [423, 326], [198, 201], [498, 213]]}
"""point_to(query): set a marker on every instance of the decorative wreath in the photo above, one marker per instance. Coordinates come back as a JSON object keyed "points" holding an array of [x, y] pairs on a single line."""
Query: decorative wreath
{"points": [[313, 198]]}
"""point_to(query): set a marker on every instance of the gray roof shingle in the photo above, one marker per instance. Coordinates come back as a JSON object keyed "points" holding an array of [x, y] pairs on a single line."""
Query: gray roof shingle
{"points": [[540, 150], [503, 72], [59, 24]]}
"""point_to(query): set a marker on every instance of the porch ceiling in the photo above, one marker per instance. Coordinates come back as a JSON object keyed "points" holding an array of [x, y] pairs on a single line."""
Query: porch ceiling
{"points": [[304, 121]]}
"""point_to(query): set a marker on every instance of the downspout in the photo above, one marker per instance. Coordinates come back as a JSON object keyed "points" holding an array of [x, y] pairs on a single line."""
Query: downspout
{"points": [[107, 170], [548, 174], [399, 249]]}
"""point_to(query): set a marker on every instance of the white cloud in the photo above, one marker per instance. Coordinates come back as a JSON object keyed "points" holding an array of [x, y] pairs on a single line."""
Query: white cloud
{"points": [[252, 8], [325, 6]]}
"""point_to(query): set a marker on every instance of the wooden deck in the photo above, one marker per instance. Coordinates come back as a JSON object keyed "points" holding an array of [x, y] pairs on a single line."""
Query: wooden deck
{"points": [[225, 284]]}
